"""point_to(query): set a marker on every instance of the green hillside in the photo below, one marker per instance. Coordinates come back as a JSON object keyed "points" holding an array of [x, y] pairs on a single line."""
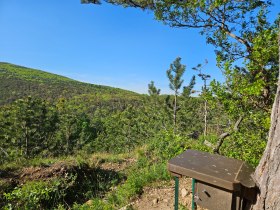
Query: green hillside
{"points": [[18, 82], [74, 145]]}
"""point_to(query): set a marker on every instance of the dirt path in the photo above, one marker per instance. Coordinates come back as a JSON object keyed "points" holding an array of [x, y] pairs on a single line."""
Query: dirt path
{"points": [[161, 196], [158, 196]]}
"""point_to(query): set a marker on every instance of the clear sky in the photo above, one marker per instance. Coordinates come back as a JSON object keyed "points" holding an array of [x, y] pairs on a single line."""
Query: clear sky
{"points": [[106, 44]]}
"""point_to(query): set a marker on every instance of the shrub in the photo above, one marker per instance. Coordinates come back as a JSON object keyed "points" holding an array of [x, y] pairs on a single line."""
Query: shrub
{"points": [[32, 195]]}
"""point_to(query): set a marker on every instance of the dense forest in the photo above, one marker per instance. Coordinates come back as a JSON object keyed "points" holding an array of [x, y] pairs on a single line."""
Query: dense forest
{"points": [[19, 82], [43, 121], [57, 134]]}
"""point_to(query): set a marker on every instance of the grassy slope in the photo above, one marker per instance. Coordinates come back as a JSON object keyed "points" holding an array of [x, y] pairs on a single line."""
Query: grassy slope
{"points": [[18, 82]]}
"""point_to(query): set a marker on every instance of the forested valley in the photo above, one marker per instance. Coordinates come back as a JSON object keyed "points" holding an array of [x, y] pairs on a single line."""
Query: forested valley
{"points": [[49, 122], [65, 144]]}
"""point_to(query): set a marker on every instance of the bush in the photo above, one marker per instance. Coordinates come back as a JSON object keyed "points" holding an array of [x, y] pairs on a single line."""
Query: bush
{"points": [[135, 182], [33, 195], [166, 145]]}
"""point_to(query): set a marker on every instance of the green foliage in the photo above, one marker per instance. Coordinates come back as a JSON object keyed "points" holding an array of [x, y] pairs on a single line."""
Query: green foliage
{"points": [[33, 120], [174, 74], [217, 21], [60, 116], [120, 131], [167, 145], [188, 90], [147, 4], [139, 176], [78, 184], [152, 89], [247, 52], [74, 130], [17, 82], [136, 181], [96, 203], [91, 123], [245, 144], [249, 92], [32, 195]]}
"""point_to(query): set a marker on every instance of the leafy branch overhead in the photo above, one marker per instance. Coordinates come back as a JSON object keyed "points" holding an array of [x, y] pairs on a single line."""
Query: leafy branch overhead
{"points": [[228, 25], [144, 4]]}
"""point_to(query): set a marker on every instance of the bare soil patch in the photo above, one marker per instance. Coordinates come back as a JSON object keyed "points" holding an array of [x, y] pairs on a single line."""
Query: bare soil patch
{"points": [[117, 166], [161, 196], [58, 169]]}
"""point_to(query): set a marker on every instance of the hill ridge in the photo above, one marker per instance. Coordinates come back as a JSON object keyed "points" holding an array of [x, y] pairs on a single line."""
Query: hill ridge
{"points": [[19, 81]]}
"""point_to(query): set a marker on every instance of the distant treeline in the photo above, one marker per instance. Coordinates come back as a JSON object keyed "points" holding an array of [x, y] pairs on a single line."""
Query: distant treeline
{"points": [[48, 115]]}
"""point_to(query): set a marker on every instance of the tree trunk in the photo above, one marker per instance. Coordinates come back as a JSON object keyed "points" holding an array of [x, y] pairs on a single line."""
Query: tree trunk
{"points": [[205, 118], [267, 174], [205, 108], [26, 142], [175, 113]]}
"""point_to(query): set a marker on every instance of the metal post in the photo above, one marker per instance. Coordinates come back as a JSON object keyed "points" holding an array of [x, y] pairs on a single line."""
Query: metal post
{"points": [[176, 203], [193, 192]]}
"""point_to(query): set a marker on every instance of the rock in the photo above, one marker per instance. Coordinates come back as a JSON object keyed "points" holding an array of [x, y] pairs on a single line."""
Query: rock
{"points": [[89, 202], [184, 192], [128, 206], [155, 201]]}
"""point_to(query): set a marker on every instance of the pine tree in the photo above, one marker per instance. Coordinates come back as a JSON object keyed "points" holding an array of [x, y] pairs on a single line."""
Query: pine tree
{"points": [[174, 74], [152, 90]]}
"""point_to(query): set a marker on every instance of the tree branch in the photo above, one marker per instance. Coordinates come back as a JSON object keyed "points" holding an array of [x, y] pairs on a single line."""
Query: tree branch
{"points": [[224, 27], [239, 39], [226, 134], [4, 152], [132, 3]]}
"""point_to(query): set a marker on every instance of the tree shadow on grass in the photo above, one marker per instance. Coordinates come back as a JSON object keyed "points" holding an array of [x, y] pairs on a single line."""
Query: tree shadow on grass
{"points": [[92, 183], [68, 184]]}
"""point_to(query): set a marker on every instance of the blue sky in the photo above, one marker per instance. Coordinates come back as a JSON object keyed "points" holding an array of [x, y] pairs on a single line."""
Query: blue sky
{"points": [[106, 44]]}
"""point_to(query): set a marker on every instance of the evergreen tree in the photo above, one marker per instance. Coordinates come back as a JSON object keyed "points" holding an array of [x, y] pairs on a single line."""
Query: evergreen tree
{"points": [[152, 90], [174, 74], [29, 126], [188, 90], [204, 78]]}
